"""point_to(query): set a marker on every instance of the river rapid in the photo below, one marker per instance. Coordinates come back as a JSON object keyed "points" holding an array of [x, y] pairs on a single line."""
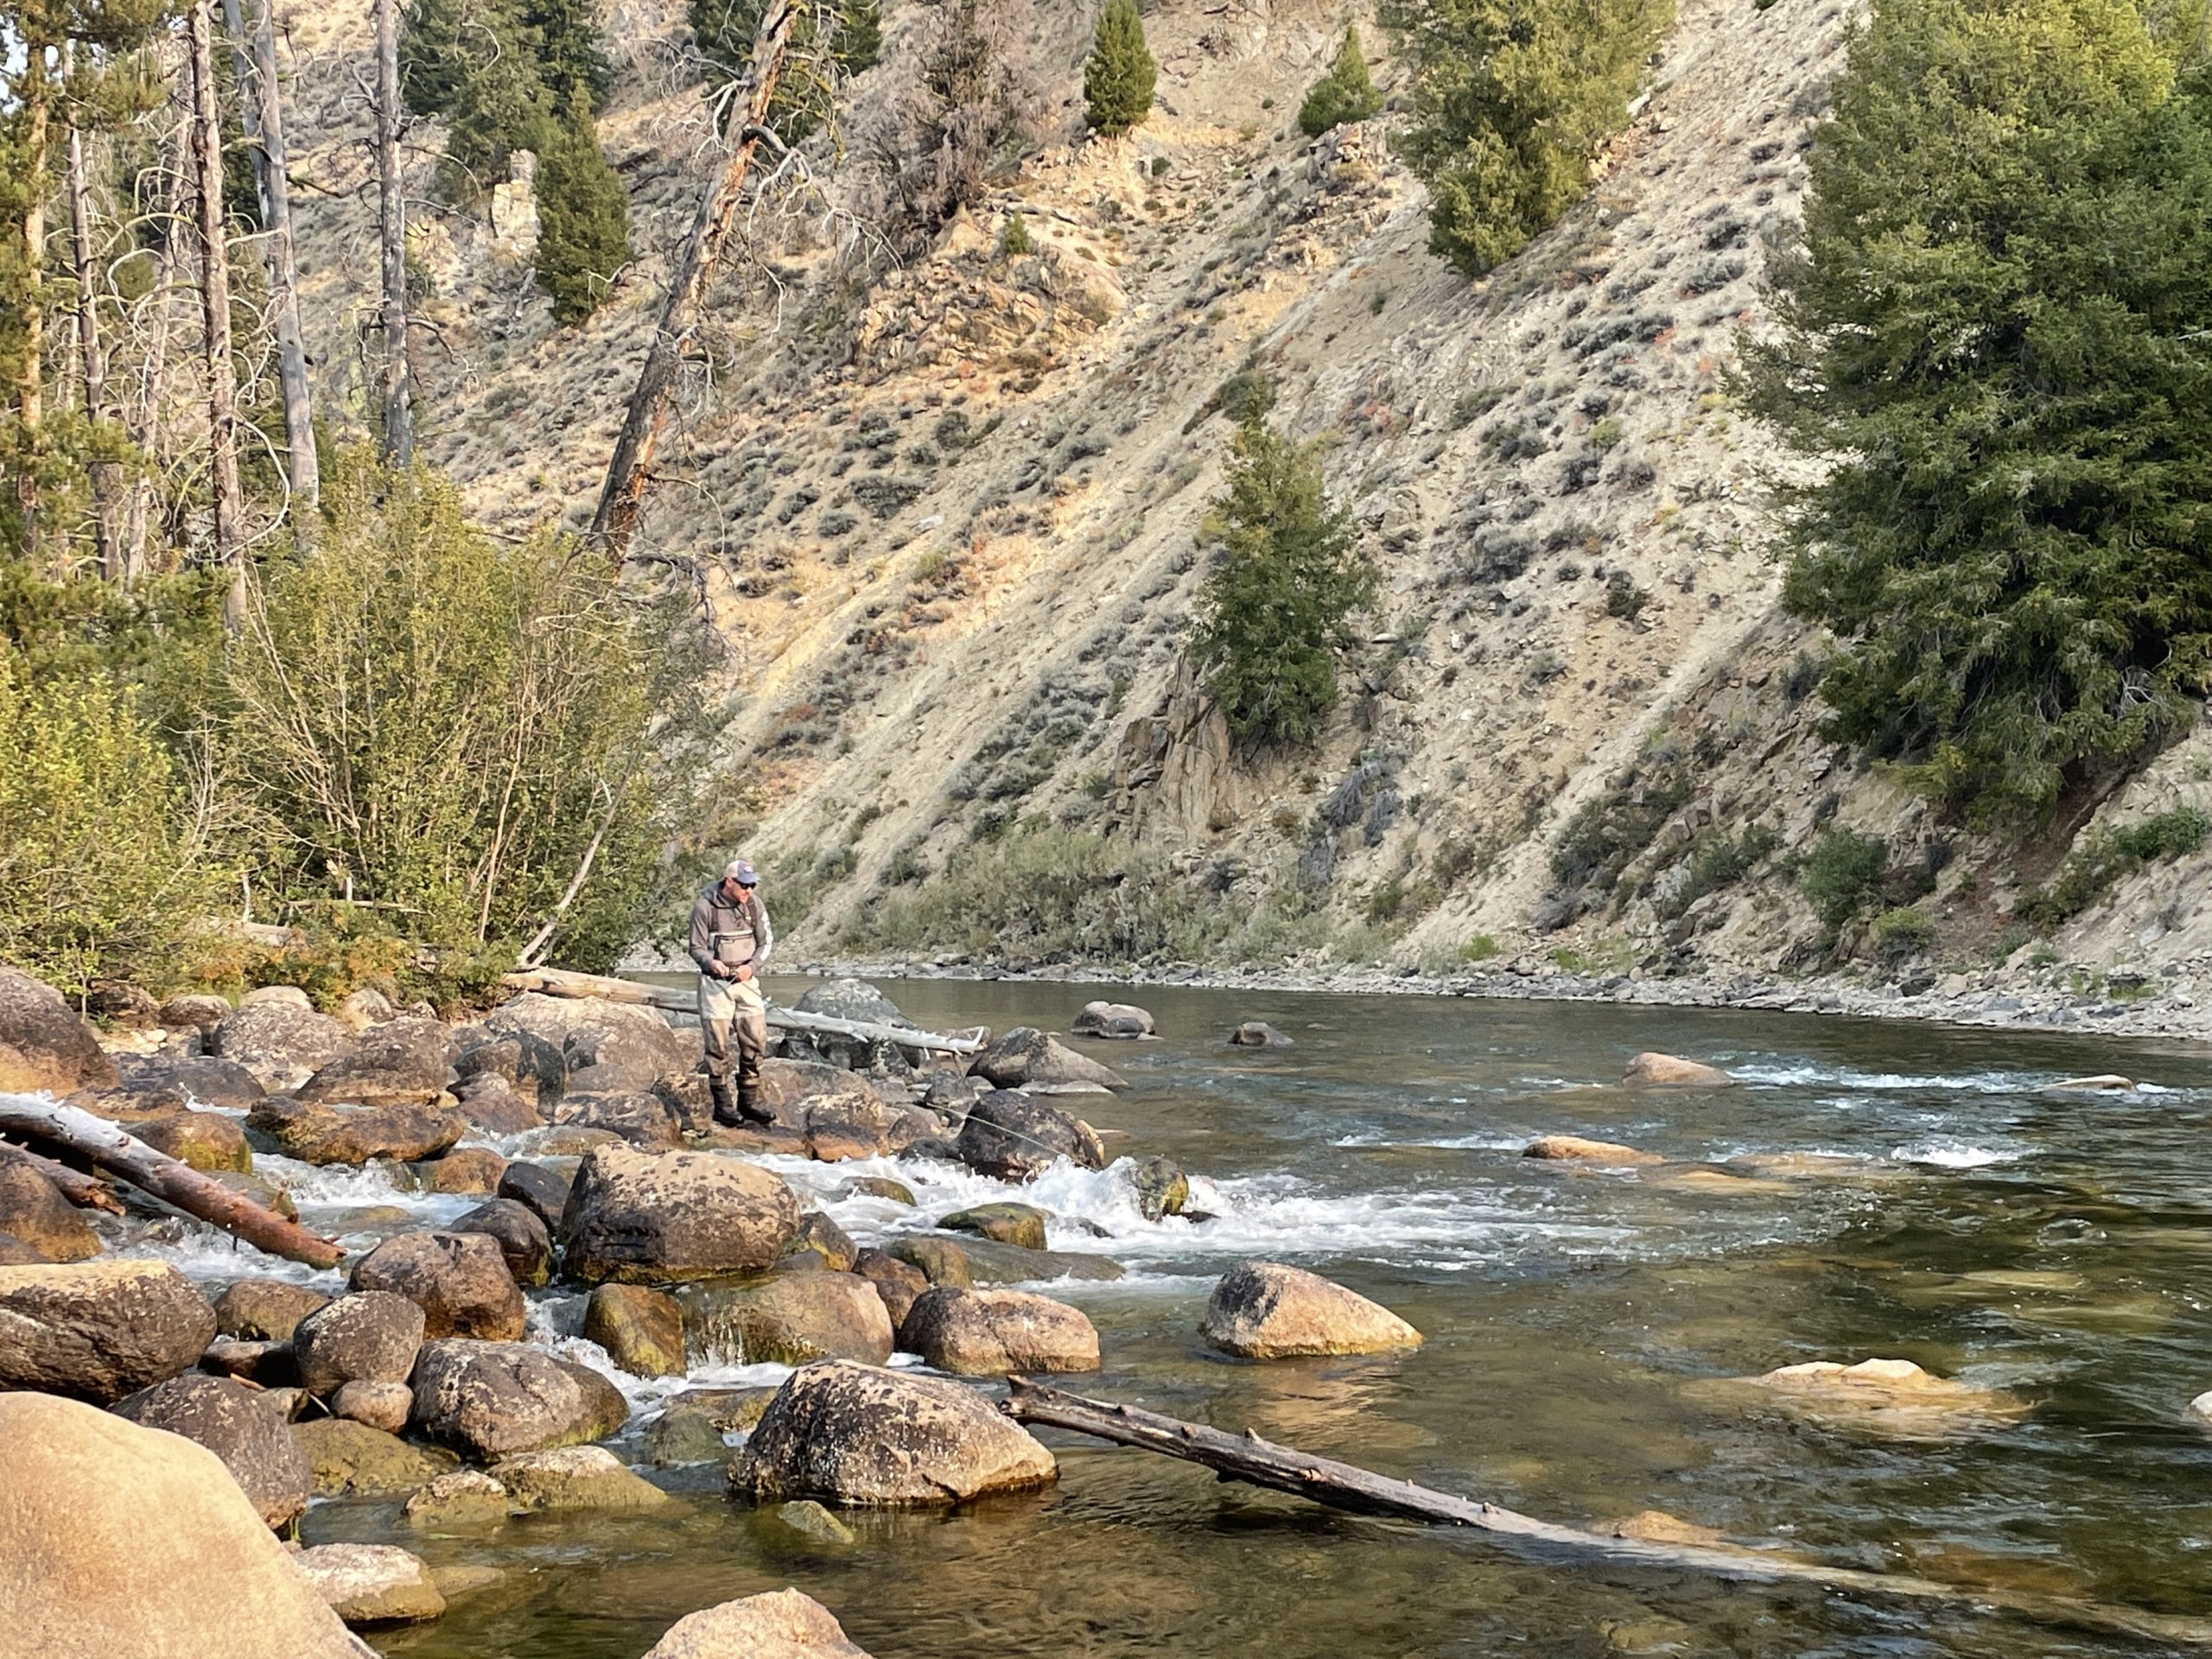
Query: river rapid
{"points": [[1580, 1328]]}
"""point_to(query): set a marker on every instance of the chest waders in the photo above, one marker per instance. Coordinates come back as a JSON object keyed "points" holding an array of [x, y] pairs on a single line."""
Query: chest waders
{"points": [[731, 1009]]}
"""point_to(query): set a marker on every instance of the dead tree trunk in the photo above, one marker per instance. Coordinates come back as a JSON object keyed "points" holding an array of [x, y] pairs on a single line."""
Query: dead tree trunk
{"points": [[398, 390], [154, 367], [215, 309], [85, 1191], [1345, 1486], [105, 475], [36, 94], [629, 470], [103, 1144]]}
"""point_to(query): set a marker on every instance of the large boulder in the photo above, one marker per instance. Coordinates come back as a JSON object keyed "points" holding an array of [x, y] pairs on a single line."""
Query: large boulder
{"points": [[837, 1115], [1025, 1058], [641, 1329], [353, 1460], [852, 999], [203, 1140], [1258, 1033], [623, 1046], [318, 1133], [1162, 1188], [33, 1210], [849, 999], [533, 1066], [1263, 1310], [1015, 1137], [282, 1042], [521, 1237], [265, 1310], [667, 1218], [852, 1434], [460, 1281], [372, 1584], [196, 1011], [993, 1332], [542, 1192], [493, 1400], [176, 1082], [492, 1104], [779, 1624], [407, 1061], [119, 1542], [788, 1319], [98, 1331], [1120, 1019], [471, 1172], [236, 1424], [45, 1046], [899, 1283], [1670, 1070], [370, 1336], [642, 1118]]}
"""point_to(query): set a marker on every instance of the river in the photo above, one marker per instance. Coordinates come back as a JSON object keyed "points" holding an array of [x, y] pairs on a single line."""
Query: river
{"points": [[1580, 1325]]}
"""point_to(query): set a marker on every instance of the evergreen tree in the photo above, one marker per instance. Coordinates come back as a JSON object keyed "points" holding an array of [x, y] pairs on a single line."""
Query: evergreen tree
{"points": [[1997, 335], [1118, 75], [1270, 618], [829, 44], [434, 54], [498, 106], [583, 217], [1512, 95], [1345, 93], [570, 58]]}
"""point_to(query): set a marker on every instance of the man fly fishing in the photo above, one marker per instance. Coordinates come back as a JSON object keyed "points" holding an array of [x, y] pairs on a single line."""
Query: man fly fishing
{"points": [[730, 941]]}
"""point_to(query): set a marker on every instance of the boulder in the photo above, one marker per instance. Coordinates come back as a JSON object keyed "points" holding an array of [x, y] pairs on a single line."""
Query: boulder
{"points": [[849, 999], [641, 1329], [370, 1336], [495, 1106], [372, 1584], [33, 1210], [684, 1434], [365, 1008], [1162, 1188], [952, 1095], [836, 1114], [643, 1119], [192, 1011], [990, 1262], [268, 1310], [939, 1261], [1258, 1033], [1122, 1019], [460, 1281], [206, 1141], [408, 1062], [879, 1186], [350, 1459], [667, 1218], [45, 1044], [265, 1363], [1009, 1224], [231, 1421], [122, 1004], [624, 1044], [387, 1406], [354, 1134], [993, 1332], [14, 1253], [788, 1319], [1015, 1138], [575, 1477], [2107, 1082], [464, 1497], [824, 1240], [275, 996], [521, 1237], [1263, 1310], [778, 1625], [852, 999], [176, 1082], [1573, 1148], [852, 1434], [495, 1399], [535, 1068], [117, 1541], [1670, 1070], [1888, 1399], [807, 1523], [542, 1192], [898, 1282], [469, 1170], [1028, 1058], [98, 1331], [282, 1043]]}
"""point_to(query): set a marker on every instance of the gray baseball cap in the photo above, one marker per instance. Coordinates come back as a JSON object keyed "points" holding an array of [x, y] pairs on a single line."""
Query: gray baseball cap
{"points": [[741, 871]]}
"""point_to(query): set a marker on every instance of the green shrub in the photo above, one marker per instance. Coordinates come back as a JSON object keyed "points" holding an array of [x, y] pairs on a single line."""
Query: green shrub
{"points": [[1623, 599], [1118, 75], [1843, 874], [1606, 434], [1345, 93], [1014, 241], [1472, 405], [1901, 935], [1247, 395], [1606, 834], [1481, 948], [583, 216], [828, 43], [2102, 857], [1718, 860]]}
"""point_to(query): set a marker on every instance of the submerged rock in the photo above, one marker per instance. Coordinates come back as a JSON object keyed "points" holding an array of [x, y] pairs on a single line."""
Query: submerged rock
{"points": [[1258, 1033], [2104, 1083], [1670, 1070], [1028, 1056], [1009, 1224], [98, 1331], [780, 1625], [990, 1262], [994, 1332], [372, 1584], [463, 1497], [1014, 1137], [33, 1210], [641, 1329], [1890, 1399], [495, 1399], [811, 1522], [575, 1477], [232, 1421], [460, 1281], [789, 1319], [1263, 1310], [45, 1044], [1573, 1148], [1122, 1019], [668, 1217], [881, 1187]]}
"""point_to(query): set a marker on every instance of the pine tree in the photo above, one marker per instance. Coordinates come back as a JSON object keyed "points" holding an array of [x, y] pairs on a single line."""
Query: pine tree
{"points": [[570, 59], [1997, 337], [1345, 93], [1117, 77], [1270, 619], [583, 217], [724, 30], [433, 58]]}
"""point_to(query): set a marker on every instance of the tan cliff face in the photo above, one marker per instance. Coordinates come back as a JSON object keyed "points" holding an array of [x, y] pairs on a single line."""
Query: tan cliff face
{"points": [[947, 523]]}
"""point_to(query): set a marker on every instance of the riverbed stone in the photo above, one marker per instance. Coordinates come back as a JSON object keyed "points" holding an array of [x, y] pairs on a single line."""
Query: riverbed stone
{"points": [[231, 1421], [460, 1281], [370, 1336], [1009, 1224], [363, 1006], [46, 1044], [14, 1253], [462, 1498], [174, 1082], [788, 1319], [205, 1140], [318, 1134], [371, 1585], [939, 1261], [855, 1435], [533, 1067], [351, 1459], [1671, 1070], [642, 1118], [1161, 1187], [1026, 1057], [266, 1364], [282, 1042], [199, 1011], [493, 1400], [668, 1217], [1887, 1399], [880, 1186], [641, 1328], [1574, 1149], [494, 1106], [575, 1477], [626, 1045], [778, 1625], [993, 1332], [824, 1240], [117, 1541], [2103, 1084], [521, 1237], [897, 1282], [1265, 1310], [1117, 1020], [407, 1061], [33, 1210], [467, 1171], [387, 1406], [1014, 1137], [542, 1192], [98, 1331], [262, 1309], [990, 1262], [1258, 1033]]}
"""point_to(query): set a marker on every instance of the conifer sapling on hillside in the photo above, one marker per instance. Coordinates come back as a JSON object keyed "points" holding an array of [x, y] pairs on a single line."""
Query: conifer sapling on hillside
{"points": [[1345, 93], [1118, 76], [583, 218]]}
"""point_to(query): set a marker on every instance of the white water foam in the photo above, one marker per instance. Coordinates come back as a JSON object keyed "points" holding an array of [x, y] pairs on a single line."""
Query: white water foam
{"points": [[1953, 1156]]}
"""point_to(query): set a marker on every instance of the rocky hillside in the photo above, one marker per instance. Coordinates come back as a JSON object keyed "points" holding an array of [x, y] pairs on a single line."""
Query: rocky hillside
{"points": [[946, 521]]}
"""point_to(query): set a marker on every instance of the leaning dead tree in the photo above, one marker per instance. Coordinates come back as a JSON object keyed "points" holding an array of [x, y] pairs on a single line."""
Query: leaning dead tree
{"points": [[629, 471], [215, 308], [391, 225], [1347, 1486]]}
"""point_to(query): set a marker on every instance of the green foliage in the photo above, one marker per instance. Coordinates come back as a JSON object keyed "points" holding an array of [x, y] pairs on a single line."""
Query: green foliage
{"points": [[1345, 93], [1480, 948], [1718, 860], [1997, 335], [2102, 857], [1623, 599], [1843, 874], [583, 216], [820, 56], [1014, 241], [1270, 617], [1118, 75], [1606, 834], [1513, 97], [1247, 395], [1901, 935], [1473, 404], [499, 72]]}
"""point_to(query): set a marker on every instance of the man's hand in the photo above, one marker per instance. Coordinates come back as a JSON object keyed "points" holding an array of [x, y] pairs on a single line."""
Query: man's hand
{"points": [[744, 972], [718, 969]]}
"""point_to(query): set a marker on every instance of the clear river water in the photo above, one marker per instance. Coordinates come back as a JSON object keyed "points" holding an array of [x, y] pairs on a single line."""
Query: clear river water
{"points": [[1581, 1325]]}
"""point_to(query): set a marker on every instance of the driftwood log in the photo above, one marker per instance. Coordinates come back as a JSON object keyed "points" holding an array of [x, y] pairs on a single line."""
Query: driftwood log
{"points": [[102, 1144], [1345, 1486], [557, 981], [85, 1191]]}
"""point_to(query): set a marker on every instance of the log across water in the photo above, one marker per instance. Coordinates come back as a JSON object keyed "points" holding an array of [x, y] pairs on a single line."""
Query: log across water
{"points": [[556, 982]]}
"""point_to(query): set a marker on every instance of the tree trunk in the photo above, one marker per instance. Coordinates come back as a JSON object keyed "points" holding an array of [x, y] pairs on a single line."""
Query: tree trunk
{"points": [[36, 92], [629, 470], [215, 309], [558, 982], [154, 368], [85, 1191], [1345, 1486], [398, 391], [107, 481], [103, 1143]]}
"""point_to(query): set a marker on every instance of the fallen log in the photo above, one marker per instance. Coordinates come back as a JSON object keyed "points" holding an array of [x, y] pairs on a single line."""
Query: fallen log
{"points": [[558, 982], [1345, 1486], [103, 1144], [85, 1191]]}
